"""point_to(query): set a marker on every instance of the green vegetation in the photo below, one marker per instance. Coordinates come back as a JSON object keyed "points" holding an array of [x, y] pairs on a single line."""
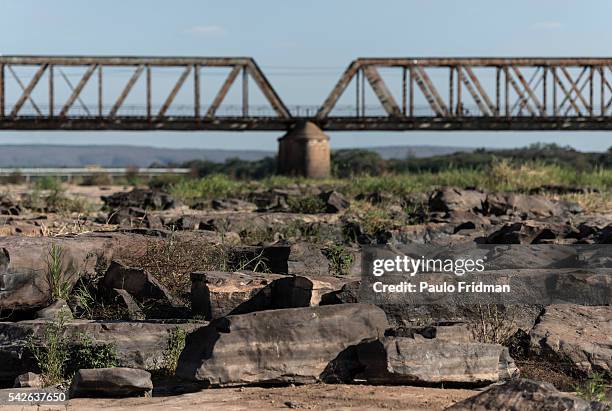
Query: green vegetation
{"points": [[174, 348], [340, 259], [58, 358], [306, 205], [499, 175], [594, 388], [51, 351], [59, 285], [86, 354]]}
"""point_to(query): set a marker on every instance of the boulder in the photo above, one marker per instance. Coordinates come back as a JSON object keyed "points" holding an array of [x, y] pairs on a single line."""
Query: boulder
{"points": [[24, 279], [111, 382], [137, 282], [579, 334], [303, 291], [56, 310], [29, 380], [282, 258], [8, 206], [232, 204], [126, 302], [134, 217], [450, 199], [215, 294], [533, 232], [527, 206], [140, 198], [525, 395], [293, 345], [401, 360], [334, 201]]}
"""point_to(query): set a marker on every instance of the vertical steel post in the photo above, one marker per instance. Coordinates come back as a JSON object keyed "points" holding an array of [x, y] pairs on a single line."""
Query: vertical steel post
{"points": [[149, 91], [245, 92], [497, 90], [459, 102], [411, 68], [196, 90], [451, 85], [357, 112], [1, 90], [363, 107], [404, 91], [50, 74], [544, 91], [591, 92], [507, 91], [555, 108], [602, 91], [100, 91]]}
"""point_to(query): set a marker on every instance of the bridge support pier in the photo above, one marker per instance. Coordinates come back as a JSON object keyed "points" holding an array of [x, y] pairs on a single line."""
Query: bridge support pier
{"points": [[304, 151]]}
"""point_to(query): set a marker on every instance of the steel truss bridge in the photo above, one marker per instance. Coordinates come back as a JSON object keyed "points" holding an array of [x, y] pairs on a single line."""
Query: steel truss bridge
{"points": [[425, 94]]}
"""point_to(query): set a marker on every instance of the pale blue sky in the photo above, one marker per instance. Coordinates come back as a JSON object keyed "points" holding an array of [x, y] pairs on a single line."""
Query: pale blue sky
{"points": [[304, 46]]}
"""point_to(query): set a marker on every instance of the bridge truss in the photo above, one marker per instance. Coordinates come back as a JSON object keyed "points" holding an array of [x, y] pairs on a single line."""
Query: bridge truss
{"points": [[410, 94]]}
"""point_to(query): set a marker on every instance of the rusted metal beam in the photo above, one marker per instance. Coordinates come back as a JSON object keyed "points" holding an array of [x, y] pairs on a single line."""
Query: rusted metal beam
{"points": [[382, 92], [574, 86], [331, 100], [568, 97], [2, 91], [223, 91], [179, 83], [266, 88], [71, 87], [149, 92], [100, 92], [51, 91], [245, 92], [527, 87], [126, 90], [126, 61], [196, 91], [27, 91], [480, 89], [77, 90], [522, 101]]}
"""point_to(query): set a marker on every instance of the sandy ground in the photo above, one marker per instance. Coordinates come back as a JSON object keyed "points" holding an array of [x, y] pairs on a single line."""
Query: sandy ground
{"points": [[306, 397]]}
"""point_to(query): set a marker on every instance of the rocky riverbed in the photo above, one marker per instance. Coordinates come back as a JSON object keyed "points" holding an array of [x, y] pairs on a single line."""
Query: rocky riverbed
{"points": [[251, 302]]}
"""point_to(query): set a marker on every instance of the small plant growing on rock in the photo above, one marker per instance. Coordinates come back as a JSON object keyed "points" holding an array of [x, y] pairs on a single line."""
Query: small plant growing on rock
{"points": [[87, 354], [174, 348], [594, 388], [306, 205], [51, 351], [340, 259], [59, 285], [491, 323]]}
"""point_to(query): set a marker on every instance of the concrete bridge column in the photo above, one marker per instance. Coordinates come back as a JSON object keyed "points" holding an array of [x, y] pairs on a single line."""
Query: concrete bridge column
{"points": [[304, 151]]}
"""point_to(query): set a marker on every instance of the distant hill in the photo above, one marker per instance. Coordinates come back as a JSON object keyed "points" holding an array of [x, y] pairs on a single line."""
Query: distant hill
{"points": [[122, 156]]}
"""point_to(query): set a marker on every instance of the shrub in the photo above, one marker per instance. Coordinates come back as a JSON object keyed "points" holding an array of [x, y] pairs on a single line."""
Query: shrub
{"points": [[340, 259], [97, 179], [174, 348], [51, 351], [594, 388], [85, 354], [48, 183], [306, 205]]}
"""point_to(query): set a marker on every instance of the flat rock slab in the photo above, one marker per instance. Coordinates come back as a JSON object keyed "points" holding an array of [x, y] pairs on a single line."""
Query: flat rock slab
{"points": [[401, 360], [581, 334], [526, 395], [138, 344], [111, 382], [292, 345]]}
